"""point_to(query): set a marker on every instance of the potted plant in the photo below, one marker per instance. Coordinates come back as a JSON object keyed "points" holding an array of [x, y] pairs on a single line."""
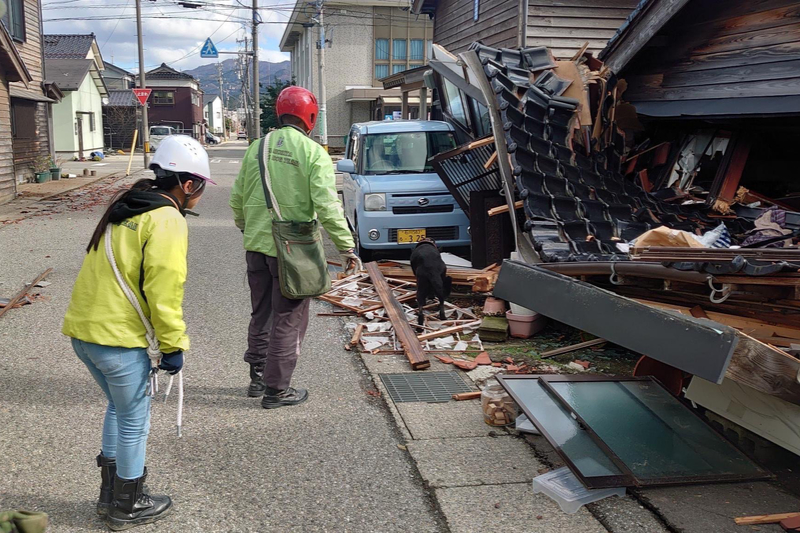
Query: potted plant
{"points": [[55, 169], [41, 167]]}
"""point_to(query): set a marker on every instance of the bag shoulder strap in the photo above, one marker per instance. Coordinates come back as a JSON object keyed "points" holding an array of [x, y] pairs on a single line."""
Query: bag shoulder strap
{"points": [[263, 166]]}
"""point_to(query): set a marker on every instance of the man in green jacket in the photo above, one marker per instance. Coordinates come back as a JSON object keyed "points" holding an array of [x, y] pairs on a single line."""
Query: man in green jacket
{"points": [[304, 185]]}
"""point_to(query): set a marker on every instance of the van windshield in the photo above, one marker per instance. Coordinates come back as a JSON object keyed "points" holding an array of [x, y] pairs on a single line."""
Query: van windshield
{"points": [[404, 153], [159, 131]]}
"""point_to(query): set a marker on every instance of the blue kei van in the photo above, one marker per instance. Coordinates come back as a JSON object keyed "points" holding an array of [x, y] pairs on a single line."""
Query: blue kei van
{"points": [[392, 196]]}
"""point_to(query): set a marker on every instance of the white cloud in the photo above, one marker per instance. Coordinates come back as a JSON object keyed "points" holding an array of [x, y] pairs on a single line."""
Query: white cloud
{"points": [[175, 40]]}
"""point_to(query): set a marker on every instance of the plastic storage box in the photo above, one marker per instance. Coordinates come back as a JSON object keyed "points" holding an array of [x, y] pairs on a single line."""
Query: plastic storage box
{"points": [[568, 492]]}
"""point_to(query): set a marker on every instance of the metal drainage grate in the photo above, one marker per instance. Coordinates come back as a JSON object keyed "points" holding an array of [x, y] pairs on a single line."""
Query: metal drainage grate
{"points": [[424, 387]]}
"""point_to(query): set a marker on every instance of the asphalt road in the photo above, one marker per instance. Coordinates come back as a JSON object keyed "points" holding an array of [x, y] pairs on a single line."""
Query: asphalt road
{"points": [[332, 464]]}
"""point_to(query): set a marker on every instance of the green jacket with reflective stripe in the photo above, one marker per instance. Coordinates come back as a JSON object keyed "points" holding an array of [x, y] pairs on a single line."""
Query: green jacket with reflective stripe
{"points": [[303, 183]]}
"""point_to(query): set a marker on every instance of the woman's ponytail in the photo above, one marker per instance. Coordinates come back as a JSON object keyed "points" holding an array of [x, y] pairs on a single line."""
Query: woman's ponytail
{"points": [[141, 185]]}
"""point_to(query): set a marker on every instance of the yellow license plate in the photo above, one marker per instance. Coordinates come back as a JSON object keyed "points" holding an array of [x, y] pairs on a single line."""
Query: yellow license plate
{"points": [[410, 235]]}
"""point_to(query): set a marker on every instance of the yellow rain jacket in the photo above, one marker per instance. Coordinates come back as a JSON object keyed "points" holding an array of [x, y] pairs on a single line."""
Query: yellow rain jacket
{"points": [[304, 184], [150, 248]]}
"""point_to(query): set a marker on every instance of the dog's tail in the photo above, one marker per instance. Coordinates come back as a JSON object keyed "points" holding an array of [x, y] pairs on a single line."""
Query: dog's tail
{"points": [[448, 285]]}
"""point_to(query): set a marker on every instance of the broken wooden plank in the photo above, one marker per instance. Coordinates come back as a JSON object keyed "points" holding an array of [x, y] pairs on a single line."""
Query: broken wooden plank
{"points": [[24, 292], [467, 395], [408, 339], [480, 142], [448, 331], [491, 161], [503, 209], [357, 335], [573, 348], [763, 519]]}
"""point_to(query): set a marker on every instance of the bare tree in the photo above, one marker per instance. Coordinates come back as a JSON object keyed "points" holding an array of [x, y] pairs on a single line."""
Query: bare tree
{"points": [[120, 123]]}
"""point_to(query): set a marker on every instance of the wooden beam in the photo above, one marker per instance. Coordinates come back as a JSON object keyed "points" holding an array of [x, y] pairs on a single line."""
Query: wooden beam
{"points": [[573, 348], [408, 339], [491, 161], [357, 335], [467, 395], [22, 293], [448, 331], [503, 208], [763, 519], [481, 142]]}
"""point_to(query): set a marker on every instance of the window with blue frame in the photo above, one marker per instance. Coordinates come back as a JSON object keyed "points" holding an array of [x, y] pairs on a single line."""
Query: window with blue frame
{"points": [[382, 49], [381, 71], [399, 49], [417, 51]]}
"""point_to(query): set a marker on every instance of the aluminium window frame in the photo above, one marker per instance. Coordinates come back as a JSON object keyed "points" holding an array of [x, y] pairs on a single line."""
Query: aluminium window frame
{"points": [[628, 478]]}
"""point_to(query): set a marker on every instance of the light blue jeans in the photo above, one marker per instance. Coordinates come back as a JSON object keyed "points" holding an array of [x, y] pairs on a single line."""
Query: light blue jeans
{"points": [[123, 374]]}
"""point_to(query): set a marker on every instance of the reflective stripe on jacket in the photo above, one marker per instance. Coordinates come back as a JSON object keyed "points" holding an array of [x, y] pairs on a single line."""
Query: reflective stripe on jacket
{"points": [[150, 250], [304, 184]]}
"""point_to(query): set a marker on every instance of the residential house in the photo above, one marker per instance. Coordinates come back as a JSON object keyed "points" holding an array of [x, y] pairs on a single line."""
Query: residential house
{"points": [[118, 78], [562, 26], [212, 113], [75, 63], [120, 119], [727, 98], [176, 101], [25, 96], [366, 42]]}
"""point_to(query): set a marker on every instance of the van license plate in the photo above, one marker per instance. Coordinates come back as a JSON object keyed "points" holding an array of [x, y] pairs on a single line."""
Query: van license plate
{"points": [[410, 235]]}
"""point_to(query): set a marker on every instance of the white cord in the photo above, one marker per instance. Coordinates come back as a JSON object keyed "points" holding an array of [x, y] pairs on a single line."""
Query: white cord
{"points": [[153, 348]]}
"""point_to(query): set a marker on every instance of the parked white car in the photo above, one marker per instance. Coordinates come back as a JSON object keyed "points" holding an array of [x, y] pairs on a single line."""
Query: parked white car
{"points": [[158, 134]]}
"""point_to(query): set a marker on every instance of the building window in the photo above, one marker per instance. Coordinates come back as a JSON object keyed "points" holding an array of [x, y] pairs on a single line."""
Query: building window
{"points": [[23, 119], [195, 99], [398, 67], [399, 49], [163, 98], [14, 19], [455, 106], [417, 52], [382, 49], [381, 71], [91, 121]]}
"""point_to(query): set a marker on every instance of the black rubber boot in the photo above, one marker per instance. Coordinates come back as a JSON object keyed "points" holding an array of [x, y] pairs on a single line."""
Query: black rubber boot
{"points": [[257, 386], [274, 398], [108, 471], [133, 506]]}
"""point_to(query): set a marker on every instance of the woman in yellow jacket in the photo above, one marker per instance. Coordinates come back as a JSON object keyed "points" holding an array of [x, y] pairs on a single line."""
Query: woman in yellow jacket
{"points": [[149, 240]]}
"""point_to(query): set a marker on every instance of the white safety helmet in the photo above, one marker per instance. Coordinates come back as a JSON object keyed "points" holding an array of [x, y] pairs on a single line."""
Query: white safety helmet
{"points": [[181, 153]]}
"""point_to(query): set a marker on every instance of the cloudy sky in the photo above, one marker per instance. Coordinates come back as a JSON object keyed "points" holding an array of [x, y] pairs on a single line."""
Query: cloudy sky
{"points": [[172, 34]]}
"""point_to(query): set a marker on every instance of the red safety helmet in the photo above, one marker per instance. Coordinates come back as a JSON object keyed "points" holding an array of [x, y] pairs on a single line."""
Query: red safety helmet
{"points": [[300, 103]]}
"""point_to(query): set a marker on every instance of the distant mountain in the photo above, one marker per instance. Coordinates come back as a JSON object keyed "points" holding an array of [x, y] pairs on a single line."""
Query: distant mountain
{"points": [[209, 80]]}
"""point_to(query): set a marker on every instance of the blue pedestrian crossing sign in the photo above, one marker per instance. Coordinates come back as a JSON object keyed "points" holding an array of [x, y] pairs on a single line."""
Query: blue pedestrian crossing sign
{"points": [[209, 50]]}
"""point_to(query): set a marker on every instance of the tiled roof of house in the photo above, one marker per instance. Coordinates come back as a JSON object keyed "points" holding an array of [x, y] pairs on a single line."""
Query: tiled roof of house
{"points": [[68, 74], [165, 72], [208, 98], [67, 46], [121, 99]]}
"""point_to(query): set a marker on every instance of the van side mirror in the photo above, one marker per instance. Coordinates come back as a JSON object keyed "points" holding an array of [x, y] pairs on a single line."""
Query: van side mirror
{"points": [[346, 165]]}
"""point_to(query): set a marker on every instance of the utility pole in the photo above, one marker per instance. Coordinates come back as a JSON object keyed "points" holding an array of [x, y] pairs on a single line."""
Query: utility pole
{"points": [[142, 85], [256, 85], [222, 97], [323, 115]]}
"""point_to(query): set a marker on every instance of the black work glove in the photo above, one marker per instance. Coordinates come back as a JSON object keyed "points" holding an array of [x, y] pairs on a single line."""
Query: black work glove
{"points": [[171, 362]]}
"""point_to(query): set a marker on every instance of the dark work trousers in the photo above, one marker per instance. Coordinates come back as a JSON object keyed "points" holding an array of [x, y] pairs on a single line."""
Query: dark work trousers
{"points": [[277, 324]]}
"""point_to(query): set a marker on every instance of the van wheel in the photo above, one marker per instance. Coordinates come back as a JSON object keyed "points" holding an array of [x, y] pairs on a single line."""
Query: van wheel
{"points": [[365, 255]]}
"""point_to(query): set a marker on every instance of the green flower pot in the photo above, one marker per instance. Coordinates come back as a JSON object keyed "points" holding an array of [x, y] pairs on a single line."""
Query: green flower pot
{"points": [[42, 177], [55, 173]]}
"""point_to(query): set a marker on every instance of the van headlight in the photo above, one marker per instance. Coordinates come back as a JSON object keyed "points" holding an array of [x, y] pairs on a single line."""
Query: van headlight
{"points": [[375, 202]]}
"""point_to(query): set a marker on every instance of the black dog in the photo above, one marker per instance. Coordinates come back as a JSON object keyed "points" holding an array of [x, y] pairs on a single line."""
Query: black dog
{"points": [[431, 274]]}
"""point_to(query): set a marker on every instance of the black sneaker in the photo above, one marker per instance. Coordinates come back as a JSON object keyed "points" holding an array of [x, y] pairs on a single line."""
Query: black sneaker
{"points": [[257, 386], [274, 398]]}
